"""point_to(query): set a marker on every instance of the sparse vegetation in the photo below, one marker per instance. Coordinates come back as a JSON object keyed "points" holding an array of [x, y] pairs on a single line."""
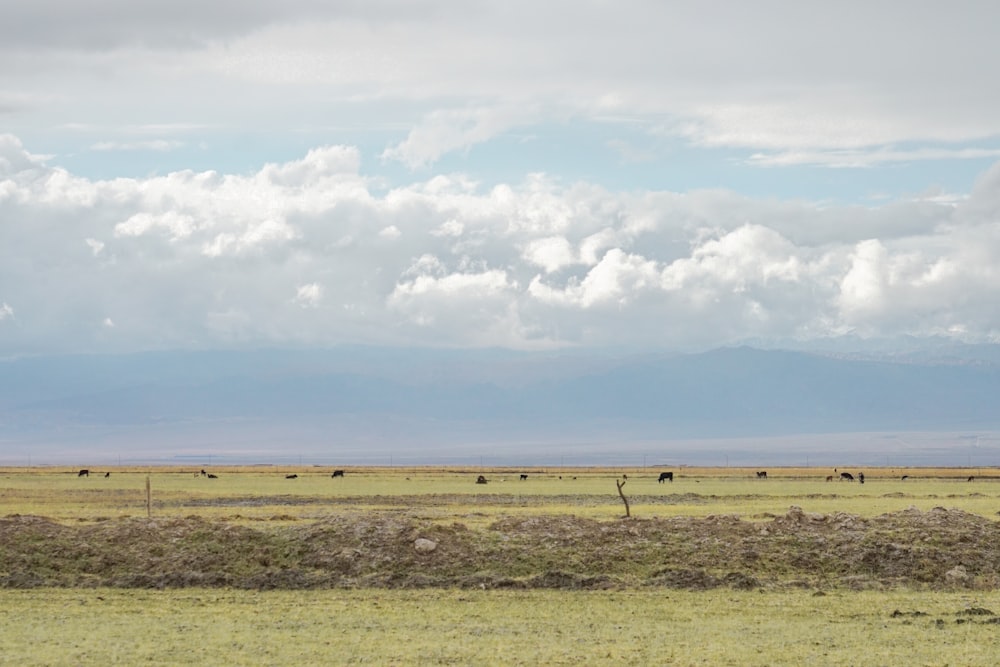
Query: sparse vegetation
{"points": [[545, 532], [547, 558], [541, 627]]}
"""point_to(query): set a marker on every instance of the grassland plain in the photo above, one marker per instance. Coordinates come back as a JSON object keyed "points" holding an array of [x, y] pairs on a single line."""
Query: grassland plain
{"points": [[391, 627], [415, 565]]}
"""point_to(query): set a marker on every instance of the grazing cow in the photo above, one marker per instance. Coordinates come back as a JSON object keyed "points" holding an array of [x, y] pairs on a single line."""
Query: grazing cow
{"points": [[480, 480], [293, 476], [970, 479], [761, 474], [829, 478], [846, 475], [83, 473], [523, 477], [861, 477], [905, 477], [337, 473], [106, 475], [211, 476], [669, 476]]}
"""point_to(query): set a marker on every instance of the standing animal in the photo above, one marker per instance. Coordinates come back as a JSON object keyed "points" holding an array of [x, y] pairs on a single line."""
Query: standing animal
{"points": [[203, 473], [83, 473], [829, 478], [846, 475], [337, 473], [292, 476], [106, 475], [523, 477], [971, 479], [480, 480], [668, 476], [761, 474], [861, 477]]}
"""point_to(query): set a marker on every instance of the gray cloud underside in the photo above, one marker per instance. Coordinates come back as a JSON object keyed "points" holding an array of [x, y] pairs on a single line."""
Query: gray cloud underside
{"points": [[787, 79], [310, 252]]}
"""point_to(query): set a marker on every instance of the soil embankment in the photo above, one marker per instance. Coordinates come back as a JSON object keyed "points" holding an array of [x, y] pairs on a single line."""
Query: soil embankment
{"points": [[941, 548]]}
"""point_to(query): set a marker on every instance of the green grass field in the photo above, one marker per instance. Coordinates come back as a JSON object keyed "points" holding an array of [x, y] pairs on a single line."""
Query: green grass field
{"points": [[255, 493], [820, 593], [101, 627]]}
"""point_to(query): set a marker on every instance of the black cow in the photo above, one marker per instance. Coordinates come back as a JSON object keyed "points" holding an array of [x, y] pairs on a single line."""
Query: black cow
{"points": [[211, 476], [106, 475], [480, 480], [846, 475], [83, 473], [523, 477], [291, 476], [761, 474], [905, 477], [337, 473], [203, 473], [669, 476], [971, 479], [861, 477]]}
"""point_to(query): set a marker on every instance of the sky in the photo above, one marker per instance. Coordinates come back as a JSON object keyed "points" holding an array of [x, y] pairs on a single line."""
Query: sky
{"points": [[557, 175]]}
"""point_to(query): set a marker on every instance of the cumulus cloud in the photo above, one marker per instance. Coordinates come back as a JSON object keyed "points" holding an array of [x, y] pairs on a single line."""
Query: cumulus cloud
{"points": [[308, 251]]}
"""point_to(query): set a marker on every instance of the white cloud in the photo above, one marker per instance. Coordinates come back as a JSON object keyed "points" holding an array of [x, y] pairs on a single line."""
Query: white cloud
{"points": [[162, 145], [206, 259], [95, 246], [859, 158], [449, 130], [309, 296], [449, 228], [551, 253], [390, 233], [862, 290], [177, 225], [789, 83]]}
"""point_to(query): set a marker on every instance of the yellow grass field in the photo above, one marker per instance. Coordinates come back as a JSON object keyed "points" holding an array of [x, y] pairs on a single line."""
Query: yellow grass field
{"points": [[255, 493], [718, 567], [211, 627]]}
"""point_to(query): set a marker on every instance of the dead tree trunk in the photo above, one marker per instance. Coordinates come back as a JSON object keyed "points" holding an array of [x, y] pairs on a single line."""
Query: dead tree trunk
{"points": [[620, 484]]}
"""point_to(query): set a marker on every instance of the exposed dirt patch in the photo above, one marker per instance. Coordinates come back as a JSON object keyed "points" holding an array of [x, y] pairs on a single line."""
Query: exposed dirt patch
{"points": [[941, 548]]}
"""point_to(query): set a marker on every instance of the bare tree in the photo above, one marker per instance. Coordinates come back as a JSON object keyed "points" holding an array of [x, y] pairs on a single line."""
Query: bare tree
{"points": [[620, 485]]}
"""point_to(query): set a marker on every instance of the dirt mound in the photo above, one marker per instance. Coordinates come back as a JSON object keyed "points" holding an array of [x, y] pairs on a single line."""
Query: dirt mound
{"points": [[941, 548]]}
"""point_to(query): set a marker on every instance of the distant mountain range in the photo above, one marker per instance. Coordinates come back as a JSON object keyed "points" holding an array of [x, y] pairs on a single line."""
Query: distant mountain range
{"points": [[349, 401]]}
